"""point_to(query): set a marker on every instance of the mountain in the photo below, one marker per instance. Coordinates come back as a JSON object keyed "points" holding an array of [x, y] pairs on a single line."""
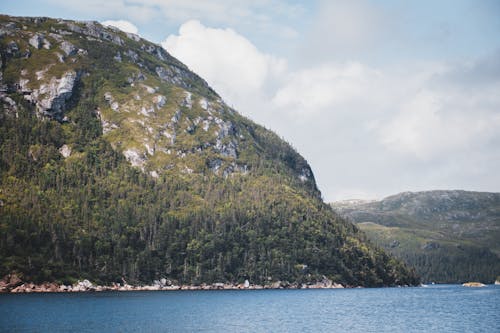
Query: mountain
{"points": [[119, 163], [448, 236]]}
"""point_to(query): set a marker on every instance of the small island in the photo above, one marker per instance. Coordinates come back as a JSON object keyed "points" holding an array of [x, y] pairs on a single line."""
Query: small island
{"points": [[473, 284]]}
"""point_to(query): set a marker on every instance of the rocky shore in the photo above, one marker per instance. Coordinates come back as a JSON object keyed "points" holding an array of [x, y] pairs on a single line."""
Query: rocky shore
{"points": [[13, 284]]}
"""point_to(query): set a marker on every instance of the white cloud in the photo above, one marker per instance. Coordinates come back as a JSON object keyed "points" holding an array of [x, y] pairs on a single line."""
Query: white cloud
{"points": [[348, 23], [420, 112], [441, 122], [122, 25], [227, 60], [342, 29], [325, 87]]}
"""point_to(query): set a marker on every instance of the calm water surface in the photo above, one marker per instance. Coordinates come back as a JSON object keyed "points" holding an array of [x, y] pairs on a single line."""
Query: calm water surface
{"points": [[443, 308]]}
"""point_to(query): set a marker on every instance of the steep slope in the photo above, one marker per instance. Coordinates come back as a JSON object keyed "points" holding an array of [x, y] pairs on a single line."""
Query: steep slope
{"points": [[448, 236], [117, 162]]}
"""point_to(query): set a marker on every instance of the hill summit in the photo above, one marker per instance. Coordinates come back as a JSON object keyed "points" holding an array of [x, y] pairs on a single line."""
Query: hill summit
{"points": [[119, 163]]}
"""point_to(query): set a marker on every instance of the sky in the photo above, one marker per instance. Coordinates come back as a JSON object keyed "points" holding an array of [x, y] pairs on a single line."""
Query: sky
{"points": [[380, 96]]}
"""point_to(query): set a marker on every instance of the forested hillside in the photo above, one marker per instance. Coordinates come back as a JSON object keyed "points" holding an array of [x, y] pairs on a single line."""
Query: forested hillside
{"points": [[448, 236], [118, 163]]}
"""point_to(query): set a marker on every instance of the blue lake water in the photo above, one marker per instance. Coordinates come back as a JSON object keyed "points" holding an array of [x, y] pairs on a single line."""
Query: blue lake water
{"points": [[439, 308]]}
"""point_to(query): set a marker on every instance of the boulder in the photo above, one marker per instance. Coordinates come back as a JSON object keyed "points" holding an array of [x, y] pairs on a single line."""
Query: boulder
{"points": [[218, 285], [326, 282], [19, 289], [47, 287], [84, 285], [63, 287], [65, 151], [276, 285]]}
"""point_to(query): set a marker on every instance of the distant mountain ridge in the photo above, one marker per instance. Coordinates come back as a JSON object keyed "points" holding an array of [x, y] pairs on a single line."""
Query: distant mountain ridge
{"points": [[118, 163], [449, 236]]}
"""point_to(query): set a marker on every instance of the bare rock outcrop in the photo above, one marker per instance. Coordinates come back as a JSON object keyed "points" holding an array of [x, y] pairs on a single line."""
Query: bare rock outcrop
{"points": [[52, 98], [68, 48], [38, 41], [10, 282], [95, 30]]}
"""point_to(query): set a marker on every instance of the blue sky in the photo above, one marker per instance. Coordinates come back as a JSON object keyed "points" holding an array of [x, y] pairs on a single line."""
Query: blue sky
{"points": [[379, 96]]}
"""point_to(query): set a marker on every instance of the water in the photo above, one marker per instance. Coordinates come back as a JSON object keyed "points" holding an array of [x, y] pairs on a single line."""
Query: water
{"points": [[443, 308]]}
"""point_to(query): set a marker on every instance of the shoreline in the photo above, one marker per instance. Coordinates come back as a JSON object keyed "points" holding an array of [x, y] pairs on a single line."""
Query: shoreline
{"points": [[13, 284], [32, 288]]}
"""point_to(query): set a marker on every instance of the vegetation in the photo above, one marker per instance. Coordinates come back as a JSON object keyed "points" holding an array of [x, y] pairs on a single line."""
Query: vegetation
{"points": [[448, 236], [93, 215]]}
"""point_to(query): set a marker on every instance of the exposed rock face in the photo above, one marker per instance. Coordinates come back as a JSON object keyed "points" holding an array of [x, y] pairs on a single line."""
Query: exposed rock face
{"points": [[133, 36], [134, 157], [95, 30], [51, 98], [178, 75], [160, 101], [36, 41], [9, 282], [68, 48], [171, 75], [227, 150]]}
